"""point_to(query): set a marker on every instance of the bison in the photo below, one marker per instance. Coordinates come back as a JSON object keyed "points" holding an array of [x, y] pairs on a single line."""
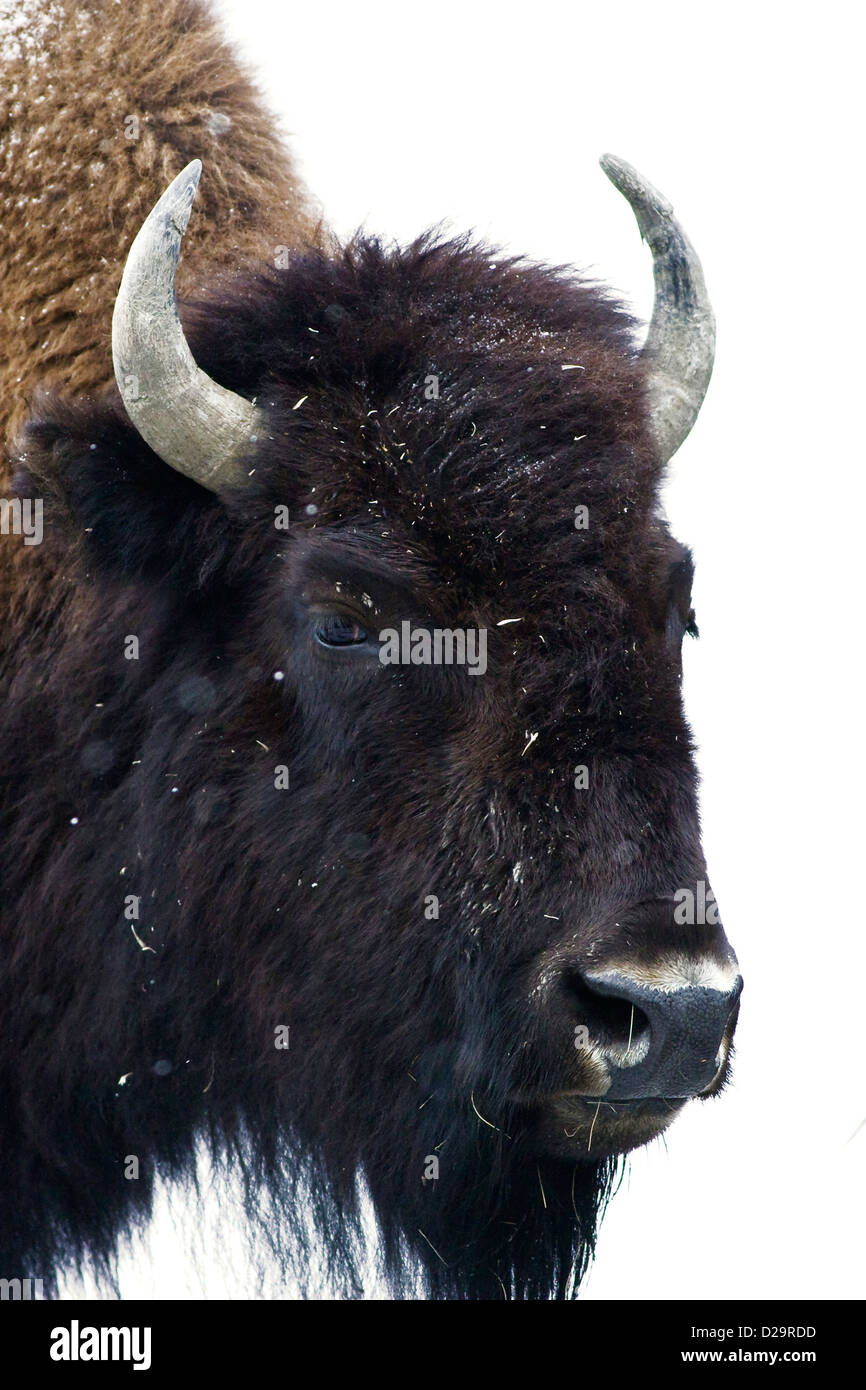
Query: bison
{"points": [[398, 930]]}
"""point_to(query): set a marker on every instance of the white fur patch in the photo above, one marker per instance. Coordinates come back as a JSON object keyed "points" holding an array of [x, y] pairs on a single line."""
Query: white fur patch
{"points": [[671, 973], [628, 1054]]}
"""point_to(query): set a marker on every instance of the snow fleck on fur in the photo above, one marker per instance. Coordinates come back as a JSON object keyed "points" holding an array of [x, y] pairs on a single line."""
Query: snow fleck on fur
{"points": [[24, 28]]}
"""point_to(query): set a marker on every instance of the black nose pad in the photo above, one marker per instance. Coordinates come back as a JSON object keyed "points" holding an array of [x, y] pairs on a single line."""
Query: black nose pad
{"points": [[656, 1042]]}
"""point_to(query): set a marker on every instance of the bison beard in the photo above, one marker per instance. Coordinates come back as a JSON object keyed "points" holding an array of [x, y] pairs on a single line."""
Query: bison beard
{"points": [[262, 908]]}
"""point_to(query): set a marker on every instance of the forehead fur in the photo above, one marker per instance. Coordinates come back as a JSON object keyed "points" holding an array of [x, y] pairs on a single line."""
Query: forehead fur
{"points": [[448, 403]]}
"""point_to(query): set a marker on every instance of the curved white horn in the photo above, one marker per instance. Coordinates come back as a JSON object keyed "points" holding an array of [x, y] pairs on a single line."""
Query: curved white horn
{"points": [[194, 424], [681, 341]]}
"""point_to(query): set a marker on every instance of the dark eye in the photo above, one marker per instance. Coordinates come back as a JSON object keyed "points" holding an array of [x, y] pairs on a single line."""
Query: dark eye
{"points": [[680, 624], [681, 614], [338, 630]]}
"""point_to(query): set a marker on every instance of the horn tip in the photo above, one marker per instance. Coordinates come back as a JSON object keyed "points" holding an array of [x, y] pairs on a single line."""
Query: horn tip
{"points": [[175, 205], [648, 203], [188, 178], [618, 170]]}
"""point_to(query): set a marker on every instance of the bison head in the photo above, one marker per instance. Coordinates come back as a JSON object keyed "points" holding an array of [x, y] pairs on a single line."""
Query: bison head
{"points": [[437, 931]]}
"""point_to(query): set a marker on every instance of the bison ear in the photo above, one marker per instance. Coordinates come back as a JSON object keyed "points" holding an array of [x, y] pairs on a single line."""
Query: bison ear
{"points": [[107, 493]]}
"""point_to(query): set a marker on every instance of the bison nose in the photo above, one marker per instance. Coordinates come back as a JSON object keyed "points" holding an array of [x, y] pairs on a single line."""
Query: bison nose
{"points": [[658, 1041]]}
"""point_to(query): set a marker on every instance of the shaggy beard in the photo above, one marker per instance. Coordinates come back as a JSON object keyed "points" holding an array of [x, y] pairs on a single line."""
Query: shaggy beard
{"points": [[294, 1235], [523, 1228], [499, 1222], [331, 1176]]}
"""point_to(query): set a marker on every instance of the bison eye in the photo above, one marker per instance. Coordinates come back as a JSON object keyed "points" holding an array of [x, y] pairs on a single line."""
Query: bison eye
{"points": [[338, 630]]}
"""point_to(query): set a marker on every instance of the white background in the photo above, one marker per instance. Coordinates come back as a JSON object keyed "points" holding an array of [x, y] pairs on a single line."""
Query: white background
{"points": [[493, 117]]}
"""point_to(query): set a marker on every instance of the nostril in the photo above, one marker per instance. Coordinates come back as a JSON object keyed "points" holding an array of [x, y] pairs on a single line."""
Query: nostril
{"points": [[679, 1049], [613, 1022]]}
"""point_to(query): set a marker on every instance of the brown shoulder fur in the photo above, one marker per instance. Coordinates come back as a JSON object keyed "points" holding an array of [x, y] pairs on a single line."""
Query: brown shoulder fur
{"points": [[101, 104]]}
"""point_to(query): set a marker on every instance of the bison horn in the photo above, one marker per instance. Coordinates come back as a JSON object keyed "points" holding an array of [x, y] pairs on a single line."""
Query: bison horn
{"points": [[682, 334], [194, 424]]}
